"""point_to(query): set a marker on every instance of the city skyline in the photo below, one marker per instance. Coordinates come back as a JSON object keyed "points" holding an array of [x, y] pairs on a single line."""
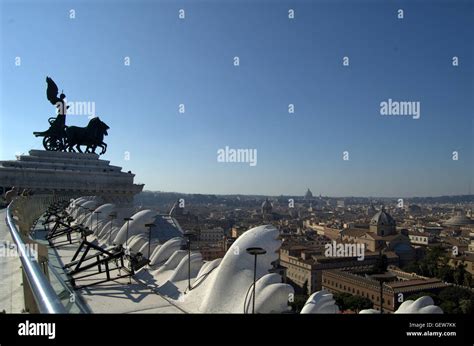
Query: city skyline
{"points": [[315, 197], [282, 61]]}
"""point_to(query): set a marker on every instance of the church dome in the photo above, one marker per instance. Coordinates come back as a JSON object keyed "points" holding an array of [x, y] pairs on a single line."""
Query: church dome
{"points": [[308, 194], [267, 206], [382, 218]]}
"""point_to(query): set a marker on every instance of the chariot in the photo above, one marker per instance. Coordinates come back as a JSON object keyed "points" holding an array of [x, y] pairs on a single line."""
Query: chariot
{"points": [[54, 138], [60, 137]]}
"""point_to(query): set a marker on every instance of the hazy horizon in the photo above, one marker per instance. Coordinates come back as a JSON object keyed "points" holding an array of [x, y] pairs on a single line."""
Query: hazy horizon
{"points": [[315, 196]]}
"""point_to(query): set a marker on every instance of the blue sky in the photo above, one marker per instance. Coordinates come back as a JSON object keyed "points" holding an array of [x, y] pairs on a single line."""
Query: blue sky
{"points": [[282, 61]]}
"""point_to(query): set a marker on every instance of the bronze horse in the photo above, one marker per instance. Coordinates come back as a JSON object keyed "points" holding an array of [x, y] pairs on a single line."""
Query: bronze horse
{"points": [[92, 136]]}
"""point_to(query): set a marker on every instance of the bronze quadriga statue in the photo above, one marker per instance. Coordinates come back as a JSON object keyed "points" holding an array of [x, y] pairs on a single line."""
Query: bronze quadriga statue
{"points": [[60, 137]]}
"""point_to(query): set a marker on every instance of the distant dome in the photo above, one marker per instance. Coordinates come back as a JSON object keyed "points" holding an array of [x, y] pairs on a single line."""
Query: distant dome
{"points": [[382, 218], [308, 194], [414, 208], [458, 220], [267, 206]]}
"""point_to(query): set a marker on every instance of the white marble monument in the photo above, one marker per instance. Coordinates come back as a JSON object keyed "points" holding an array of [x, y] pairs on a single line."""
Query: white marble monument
{"points": [[65, 173]]}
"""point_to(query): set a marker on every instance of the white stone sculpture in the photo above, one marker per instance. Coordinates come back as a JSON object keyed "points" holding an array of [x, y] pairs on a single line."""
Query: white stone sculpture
{"points": [[423, 305], [227, 286], [136, 226], [161, 254], [321, 302]]}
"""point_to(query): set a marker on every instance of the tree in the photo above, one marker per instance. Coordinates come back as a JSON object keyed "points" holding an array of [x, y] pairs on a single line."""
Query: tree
{"points": [[305, 287], [341, 299], [456, 300], [459, 274], [466, 306], [455, 293], [445, 273], [467, 279], [346, 301], [453, 300], [358, 303], [436, 264], [412, 267], [449, 307]]}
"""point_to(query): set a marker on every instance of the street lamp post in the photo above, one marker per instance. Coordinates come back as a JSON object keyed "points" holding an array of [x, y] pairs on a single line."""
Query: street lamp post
{"points": [[127, 250], [90, 210], [189, 235], [255, 251], [97, 220], [112, 215], [150, 226], [127, 220], [382, 278]]}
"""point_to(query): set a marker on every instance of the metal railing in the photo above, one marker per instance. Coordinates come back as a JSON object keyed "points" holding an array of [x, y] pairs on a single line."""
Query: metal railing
{"points": [[43, 293]]}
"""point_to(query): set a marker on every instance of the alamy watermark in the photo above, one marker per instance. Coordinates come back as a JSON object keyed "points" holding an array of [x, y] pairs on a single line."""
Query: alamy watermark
{"points": [[77, 108], [28, 328], [237, 156], [410, 108], [345, 250], [9, 249]]}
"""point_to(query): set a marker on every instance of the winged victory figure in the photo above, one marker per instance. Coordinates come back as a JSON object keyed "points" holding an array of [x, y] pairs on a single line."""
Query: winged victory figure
{"points": [[55, 135]]}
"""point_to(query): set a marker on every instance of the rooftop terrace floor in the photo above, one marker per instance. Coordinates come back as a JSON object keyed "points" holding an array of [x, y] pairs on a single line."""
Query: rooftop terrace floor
{"points": [[122, 295]]}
